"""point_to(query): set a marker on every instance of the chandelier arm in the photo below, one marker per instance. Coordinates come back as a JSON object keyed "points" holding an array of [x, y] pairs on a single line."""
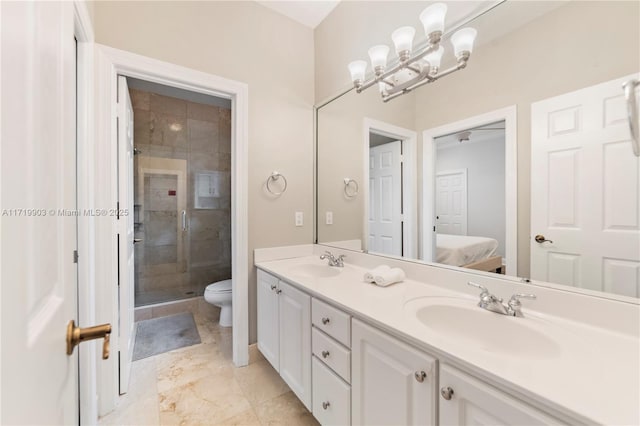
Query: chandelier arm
{"points": [[429, 49], [395, 93]]}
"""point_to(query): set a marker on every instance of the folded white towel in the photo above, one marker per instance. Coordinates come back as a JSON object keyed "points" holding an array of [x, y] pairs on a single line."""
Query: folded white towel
{"points": [[389, 277], [369, 276]]}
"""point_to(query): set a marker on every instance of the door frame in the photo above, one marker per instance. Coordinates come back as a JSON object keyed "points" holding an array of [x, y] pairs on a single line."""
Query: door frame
{"points": [[409, 182], [463, 172], [110, 63], [509, 116], [85, 160]]}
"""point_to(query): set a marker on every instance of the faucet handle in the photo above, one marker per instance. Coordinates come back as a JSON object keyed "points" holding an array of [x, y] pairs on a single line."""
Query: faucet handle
{"points": [[480, 286], [515, 299]]}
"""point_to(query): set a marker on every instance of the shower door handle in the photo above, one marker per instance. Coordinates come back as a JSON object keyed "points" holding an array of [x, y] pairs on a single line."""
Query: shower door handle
{"points": [[184, 220]]}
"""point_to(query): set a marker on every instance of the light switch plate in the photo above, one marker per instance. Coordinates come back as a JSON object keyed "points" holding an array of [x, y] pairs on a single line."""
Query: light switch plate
{"points": [[329, 218], [299, 219]]}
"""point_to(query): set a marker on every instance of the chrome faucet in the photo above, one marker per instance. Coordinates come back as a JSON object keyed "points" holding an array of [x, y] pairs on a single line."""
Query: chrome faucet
{"points": [[333, 261], [494, 304]]}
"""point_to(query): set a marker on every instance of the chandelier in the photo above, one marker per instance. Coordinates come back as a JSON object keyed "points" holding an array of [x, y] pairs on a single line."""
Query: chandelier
{"points": [[417, 69]]}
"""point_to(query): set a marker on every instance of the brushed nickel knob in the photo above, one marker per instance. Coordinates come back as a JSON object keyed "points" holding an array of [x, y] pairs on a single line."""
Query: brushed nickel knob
{"points": [[420, 376], [325, 320], [326, 405], [273, 287], [325, 354], [278, 291], [446, 393]]}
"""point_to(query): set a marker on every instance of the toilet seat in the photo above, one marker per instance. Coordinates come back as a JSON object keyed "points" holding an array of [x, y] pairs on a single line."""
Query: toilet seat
{"points": [[220, 287]]}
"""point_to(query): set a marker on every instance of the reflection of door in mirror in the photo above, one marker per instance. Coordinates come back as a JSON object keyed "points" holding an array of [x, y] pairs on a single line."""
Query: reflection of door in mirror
{"points": [[385, 195], [469, 197], [451, 202], [585, 191]]}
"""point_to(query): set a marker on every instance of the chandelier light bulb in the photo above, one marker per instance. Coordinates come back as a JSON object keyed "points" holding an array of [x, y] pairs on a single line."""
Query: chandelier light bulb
{"points": [[434, 58], [462, 41], [403, 41], [378, 55], [357, 70], [432, 19]]}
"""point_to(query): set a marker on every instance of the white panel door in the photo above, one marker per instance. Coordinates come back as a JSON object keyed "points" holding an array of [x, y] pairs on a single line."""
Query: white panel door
{"points": [[126, 286], [385, 198], [472, 402], [295, 341], [39, 276], [585, 191], [387, 386], [268, 318], [451, 202]]}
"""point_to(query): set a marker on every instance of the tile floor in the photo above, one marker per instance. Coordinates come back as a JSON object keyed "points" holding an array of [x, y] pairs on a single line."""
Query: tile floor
{"points": [[198, 385]]}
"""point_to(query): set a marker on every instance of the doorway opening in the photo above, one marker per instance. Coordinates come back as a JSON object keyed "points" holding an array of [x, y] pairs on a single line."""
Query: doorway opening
{"points": [[470, 192], [470, 198], [182, 192], [390, 190]]}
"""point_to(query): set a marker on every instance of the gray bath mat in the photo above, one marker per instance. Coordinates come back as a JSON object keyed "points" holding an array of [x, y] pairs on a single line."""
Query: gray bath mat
{"points": [[164, 334]]}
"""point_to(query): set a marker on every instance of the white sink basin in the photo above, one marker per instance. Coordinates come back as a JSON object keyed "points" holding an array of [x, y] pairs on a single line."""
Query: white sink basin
{"points": [[312, 270], [463, 321]]}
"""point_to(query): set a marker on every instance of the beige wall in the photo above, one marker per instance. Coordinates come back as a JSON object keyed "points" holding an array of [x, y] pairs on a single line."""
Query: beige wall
{"points": [[274, 56], [604, 44]]}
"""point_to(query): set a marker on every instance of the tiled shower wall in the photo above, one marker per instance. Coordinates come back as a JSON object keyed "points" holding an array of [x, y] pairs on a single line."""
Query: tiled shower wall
{"points": [[167, 127]]}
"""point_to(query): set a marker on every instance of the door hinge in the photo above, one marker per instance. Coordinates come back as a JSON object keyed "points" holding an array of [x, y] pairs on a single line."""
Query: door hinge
{"points": [[402, 158], [118, 210], [434, 229], [75, 256]]}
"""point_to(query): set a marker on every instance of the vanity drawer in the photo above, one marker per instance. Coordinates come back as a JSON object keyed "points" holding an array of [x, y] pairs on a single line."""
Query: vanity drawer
{"points": [[331, 396], [332, 353], [332, 321]]}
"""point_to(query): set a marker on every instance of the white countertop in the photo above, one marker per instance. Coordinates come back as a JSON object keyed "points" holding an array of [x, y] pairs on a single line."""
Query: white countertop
{"points": [[591, 374]]}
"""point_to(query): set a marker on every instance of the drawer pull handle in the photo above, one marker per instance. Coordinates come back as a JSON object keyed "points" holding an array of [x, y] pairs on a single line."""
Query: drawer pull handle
{"points": [[325, 320], [326, 405], [325, 354], [273, 287], [446, 393], [278, 291], [420, 376]]}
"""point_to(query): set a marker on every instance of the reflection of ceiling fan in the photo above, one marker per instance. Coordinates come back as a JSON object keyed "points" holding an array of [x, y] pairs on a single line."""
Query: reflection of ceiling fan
{"points": [[466, 135]]}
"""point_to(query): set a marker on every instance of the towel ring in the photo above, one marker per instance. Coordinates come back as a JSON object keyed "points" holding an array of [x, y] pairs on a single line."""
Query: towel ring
{"points": [[348, 184], [632, 111], [274, 177]]}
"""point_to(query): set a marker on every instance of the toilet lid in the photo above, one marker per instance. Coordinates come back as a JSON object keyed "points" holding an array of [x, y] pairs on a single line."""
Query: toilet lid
{"points": [[220, 287]]}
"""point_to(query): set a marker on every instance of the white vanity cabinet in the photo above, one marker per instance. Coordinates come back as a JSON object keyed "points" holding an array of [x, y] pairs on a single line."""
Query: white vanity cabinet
{"points": [[284, 332], [392, 383], [465, 400]]}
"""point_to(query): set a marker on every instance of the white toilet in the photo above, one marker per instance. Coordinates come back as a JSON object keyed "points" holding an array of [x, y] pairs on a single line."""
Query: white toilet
{"points": [[219, 294]]}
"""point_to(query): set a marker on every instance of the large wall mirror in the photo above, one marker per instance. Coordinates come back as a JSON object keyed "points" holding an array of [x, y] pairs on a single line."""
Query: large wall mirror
{"points": [[520, 164]]}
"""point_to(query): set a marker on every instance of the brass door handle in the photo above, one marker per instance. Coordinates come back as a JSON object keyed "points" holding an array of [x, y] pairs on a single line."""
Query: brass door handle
{"points": [[541, 239], [77, 335]]}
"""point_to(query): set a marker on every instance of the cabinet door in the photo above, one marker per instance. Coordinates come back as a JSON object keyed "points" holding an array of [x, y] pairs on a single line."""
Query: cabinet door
{"points": [[268, 325], [387, 384], [476, 403], [295, 341]]}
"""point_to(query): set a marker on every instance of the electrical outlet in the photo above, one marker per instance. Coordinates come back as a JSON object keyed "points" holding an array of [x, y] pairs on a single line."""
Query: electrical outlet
{"points": [[299, 219], [329, 218]]}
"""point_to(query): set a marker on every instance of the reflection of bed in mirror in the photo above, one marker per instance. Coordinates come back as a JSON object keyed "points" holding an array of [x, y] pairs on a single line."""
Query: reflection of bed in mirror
{"points": [[468, 252]]}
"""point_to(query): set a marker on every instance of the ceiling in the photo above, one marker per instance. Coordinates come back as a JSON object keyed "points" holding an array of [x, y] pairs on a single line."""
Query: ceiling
{"points": [[307, 12]]}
